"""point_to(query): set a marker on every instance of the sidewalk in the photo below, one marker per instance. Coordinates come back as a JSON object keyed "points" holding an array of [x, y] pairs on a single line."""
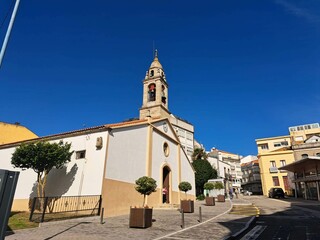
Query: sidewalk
{"points": [[216, 224]]}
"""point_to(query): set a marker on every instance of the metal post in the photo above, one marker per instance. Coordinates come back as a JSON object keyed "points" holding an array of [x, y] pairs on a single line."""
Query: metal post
{"points": [[44, 208], [6, 39], [182, 218], [101, 216], [32, 208], [100, 203], [200, 215]]}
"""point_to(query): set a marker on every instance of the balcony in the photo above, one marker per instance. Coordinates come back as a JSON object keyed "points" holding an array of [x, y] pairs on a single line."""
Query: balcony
{"points": [[273, 170]]}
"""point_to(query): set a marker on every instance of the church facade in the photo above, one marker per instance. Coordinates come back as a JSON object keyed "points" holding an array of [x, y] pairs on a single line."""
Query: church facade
{"points": [[109, 158]]}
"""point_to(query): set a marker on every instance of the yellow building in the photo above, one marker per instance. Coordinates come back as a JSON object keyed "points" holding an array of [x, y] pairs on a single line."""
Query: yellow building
{"points": [[10, 133], [275, 152]]}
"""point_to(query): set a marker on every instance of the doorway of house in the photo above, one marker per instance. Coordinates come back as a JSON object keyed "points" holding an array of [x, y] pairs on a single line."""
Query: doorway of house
{"points": [[165, 184]]}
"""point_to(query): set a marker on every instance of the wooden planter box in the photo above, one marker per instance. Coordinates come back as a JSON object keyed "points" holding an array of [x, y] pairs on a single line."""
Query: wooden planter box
{"points": [[221, 198], [210, 201], [140, 217], [187, 206]]}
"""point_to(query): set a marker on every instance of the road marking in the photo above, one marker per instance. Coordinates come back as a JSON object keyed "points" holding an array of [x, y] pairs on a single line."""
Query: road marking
{"points": [[254, 233]]}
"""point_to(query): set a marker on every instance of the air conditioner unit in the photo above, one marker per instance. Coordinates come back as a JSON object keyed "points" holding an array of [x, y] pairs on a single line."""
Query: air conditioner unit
{"points": [[99, 143]]}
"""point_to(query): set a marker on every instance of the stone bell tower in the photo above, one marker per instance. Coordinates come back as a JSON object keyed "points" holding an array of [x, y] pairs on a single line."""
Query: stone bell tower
{"points": [[155, 92]]}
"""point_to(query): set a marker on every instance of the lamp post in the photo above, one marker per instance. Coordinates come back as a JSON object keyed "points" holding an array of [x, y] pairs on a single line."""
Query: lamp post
{"points": [[6, 39]]}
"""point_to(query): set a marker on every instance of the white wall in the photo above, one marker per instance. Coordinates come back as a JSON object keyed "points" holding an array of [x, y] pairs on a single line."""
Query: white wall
{"points": [[79, 177], [126, 157]]}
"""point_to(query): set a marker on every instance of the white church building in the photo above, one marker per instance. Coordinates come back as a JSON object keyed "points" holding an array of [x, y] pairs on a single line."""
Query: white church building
{"points": [[109, 158]]}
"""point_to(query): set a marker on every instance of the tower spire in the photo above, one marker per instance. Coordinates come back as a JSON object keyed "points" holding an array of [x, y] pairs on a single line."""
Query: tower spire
{"points": [[156, 53]]}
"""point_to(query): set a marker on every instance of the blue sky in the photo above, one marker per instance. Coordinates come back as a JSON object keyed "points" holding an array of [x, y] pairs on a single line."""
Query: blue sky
{"points": [[237, 70]]}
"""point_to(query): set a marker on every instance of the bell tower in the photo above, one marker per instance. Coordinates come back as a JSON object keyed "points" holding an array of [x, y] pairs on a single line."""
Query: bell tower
{"points": [[155, 91]]}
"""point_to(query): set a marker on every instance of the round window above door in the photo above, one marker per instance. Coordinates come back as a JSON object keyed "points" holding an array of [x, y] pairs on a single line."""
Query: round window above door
{"points": [[166, 149]]}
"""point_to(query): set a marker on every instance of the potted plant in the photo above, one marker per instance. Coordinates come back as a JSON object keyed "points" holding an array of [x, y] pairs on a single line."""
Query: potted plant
{"points": [[209, 200], [142, 217], [186, 205], [219, 186]]}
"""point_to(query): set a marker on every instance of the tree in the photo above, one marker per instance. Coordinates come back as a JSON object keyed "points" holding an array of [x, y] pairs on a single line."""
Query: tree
{"points": [[204, 172], [185, 187], [199, 154], [146, 186], [41, 157]]}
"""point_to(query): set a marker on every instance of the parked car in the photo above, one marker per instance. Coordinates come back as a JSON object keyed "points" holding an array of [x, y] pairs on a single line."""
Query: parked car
{"points": [[276, 193]]}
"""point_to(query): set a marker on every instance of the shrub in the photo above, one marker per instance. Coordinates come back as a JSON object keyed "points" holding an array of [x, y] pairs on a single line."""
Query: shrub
{"points": [[185, 187], [146, 186], [201, 197]]}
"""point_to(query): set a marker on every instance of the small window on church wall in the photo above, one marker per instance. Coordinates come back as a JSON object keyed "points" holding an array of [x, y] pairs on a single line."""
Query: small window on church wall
{"points": [[152, 92], [80, 154], [166, 149], [151, 73]]}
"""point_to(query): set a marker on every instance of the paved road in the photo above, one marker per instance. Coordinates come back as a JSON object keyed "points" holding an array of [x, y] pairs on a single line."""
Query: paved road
{"points": [[286, 219]]}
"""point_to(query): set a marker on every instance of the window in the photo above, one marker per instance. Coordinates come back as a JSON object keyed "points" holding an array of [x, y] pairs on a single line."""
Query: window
{"points": [[163, 95], [275, 181], [264, 146], [282, 163], [318, 154], [189, 136], [152, 92], [277, 144], [273, 164], [181, 133], [304, 155], [298, 138], [151, 73], [300, 128], [80, 154], [166, 149]]}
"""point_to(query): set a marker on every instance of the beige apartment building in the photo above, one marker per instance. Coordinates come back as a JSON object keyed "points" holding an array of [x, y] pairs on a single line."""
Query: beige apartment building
{"points": [[277, 152]]}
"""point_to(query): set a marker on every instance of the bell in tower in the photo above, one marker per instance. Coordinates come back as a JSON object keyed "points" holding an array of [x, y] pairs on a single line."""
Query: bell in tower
{"points": [[155, 91]]}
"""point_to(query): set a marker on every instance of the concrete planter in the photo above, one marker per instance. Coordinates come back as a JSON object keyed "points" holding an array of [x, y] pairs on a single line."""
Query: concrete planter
{"points": [[210, 201], [140, 217], [221, 198], [187, 206]]}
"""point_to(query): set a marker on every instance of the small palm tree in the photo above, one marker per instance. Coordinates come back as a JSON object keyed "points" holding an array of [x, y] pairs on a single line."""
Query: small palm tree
{"points": [[185, 187], [146, 186]]}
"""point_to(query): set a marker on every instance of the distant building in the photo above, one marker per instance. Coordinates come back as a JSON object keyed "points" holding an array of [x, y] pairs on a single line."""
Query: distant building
{"points": [[251, 179], [305, 170], [228, 166], [10, 133], [277, 152]]}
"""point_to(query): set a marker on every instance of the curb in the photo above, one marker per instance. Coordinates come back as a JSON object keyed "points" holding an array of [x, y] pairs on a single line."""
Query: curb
{"points": [[241, 232]]}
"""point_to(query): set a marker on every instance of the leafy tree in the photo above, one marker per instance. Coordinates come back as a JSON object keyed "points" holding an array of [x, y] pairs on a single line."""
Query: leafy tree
{"points": [[185, 187], [41, 157], [218, 185], [146, 186], [204, 172], [208, 186]]}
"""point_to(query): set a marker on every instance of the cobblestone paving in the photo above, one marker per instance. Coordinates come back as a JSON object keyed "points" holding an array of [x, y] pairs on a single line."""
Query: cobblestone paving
{"points": [[216, 224]]}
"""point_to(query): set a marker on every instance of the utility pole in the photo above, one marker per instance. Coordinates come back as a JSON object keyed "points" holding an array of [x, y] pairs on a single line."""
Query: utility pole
{"points": [[6, 39]]}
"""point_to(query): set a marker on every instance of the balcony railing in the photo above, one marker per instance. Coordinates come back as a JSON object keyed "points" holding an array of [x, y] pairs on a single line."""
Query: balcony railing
{"points": [[273, 170]]}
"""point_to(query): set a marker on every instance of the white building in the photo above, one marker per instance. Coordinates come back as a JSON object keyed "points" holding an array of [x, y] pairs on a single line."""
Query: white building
{"points": [[109, 158]]}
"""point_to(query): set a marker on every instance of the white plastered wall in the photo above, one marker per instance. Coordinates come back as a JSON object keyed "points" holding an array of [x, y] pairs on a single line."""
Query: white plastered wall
{"points": [[78, 177], [126, 159]]}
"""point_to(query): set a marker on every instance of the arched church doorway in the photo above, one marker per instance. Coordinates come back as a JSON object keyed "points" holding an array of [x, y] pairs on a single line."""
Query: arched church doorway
{"points": [[166, 184]]}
